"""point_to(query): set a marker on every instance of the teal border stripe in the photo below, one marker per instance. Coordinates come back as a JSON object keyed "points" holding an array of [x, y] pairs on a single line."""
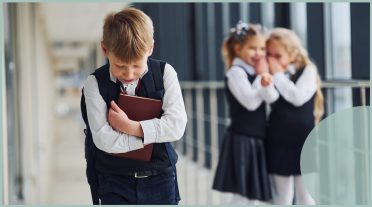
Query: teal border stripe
{"points": [[2, 61], [184, 1], [370, 98], [2, 101]]}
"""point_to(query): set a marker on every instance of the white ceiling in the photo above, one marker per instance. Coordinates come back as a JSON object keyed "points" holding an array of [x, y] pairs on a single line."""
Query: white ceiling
{"points": [[79, 23]]}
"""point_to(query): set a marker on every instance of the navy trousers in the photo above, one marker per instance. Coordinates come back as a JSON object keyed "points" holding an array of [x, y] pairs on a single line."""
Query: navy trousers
{"points": [[153, 190]]}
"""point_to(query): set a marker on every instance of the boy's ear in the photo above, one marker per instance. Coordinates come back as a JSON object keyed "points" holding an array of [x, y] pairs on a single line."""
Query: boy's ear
{"points": [[104, 50], [152, 48]]}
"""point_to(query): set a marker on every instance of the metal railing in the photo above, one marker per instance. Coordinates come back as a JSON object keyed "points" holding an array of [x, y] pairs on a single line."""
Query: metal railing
{"points": [[199, 96], [207, 119]]}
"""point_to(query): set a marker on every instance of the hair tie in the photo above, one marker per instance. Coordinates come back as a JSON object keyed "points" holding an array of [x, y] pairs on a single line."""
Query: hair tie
{"points": [[240, 30]]}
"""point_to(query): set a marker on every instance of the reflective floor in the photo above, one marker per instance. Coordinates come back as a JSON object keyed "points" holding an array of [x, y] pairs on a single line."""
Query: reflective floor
{"points": [[68, 182]]}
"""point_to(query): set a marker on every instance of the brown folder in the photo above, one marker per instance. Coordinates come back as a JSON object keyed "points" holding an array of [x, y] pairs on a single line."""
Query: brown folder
{"points": [[139, 109]]}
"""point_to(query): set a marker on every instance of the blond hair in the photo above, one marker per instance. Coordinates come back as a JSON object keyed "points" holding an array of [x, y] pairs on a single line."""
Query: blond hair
{"points": [[228, 45], [128, 34], [293, 46]]}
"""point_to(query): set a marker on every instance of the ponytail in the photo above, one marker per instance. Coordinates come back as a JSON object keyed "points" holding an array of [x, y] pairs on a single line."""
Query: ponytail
{"points": [[318, 102], [227, 51]]}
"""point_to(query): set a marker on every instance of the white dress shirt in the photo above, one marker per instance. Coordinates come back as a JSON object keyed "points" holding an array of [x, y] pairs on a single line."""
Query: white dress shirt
{"points": [[300, 92], [250, 96], [170, 127]]}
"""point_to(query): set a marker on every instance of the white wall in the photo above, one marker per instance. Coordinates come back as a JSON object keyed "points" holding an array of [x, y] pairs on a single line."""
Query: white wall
{"points": [[36, 85]]}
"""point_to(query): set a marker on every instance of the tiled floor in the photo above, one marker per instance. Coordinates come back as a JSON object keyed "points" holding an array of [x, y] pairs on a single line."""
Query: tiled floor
{"points": [[68, 182]]}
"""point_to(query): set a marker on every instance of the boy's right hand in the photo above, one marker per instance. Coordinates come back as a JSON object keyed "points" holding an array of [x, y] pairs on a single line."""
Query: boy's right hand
{"points": [[117, 118], [119, 121]]}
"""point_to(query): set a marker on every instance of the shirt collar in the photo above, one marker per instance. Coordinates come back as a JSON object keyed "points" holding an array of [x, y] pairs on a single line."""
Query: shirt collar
{"points": [[248, 68], [292, 69], [114, 79]]}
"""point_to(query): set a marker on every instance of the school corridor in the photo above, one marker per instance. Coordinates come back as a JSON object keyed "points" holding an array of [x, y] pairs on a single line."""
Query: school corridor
{"points": [[68, 185], [50, 49]]}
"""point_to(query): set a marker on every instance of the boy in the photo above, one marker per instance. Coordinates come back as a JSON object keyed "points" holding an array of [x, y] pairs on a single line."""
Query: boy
{"points": [[127, 43]]}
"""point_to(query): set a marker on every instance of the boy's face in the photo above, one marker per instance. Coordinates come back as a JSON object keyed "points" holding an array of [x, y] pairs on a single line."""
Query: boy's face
{"points": [[127, 72]]}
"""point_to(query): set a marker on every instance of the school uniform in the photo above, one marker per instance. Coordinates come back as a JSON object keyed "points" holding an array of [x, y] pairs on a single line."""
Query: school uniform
{"points": [[242, 162], [291, 119], [127, 181]]}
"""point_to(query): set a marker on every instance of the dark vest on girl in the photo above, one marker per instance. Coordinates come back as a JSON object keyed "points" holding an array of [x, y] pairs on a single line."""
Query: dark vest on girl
{"points": [[243, 121], [289, 125]]}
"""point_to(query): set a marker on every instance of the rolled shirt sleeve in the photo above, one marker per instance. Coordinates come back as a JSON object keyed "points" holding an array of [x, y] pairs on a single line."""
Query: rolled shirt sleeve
{"points": [[245, 92], [171, 126], [104, 136], [269, 94], [300, 92]]}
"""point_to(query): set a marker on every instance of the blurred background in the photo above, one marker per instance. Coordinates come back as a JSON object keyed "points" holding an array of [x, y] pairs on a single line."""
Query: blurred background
{"points": [[50, 49]]}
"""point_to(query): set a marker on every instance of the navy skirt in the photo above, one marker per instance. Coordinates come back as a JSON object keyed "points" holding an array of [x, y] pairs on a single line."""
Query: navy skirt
{"points": [[242, 167]]}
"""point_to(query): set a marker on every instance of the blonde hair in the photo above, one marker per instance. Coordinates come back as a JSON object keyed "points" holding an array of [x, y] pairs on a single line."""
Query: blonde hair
{"points": [[293, 46], [128, 34], [227, 49]]}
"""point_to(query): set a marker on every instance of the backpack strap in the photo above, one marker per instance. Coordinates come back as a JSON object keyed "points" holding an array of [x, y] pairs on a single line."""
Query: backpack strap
{"points": [[91, 172], [83, 108], [153, 80], [90, 148], [157, 69], [109, 90]]}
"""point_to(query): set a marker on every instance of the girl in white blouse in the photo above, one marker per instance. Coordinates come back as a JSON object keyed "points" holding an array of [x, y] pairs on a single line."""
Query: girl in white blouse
{"points": [[293, 115], [242, 163]]}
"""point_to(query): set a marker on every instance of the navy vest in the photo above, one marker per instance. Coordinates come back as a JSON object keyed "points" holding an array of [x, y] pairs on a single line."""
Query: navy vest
{"points": [[243, 121], [163, 153], [289, 125]]}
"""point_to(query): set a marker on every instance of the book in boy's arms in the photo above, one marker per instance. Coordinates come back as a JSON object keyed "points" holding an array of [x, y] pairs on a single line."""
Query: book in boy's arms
{"points": [[139, 109]]}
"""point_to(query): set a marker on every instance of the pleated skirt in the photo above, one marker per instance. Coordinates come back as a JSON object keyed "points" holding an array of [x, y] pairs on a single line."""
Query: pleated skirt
{"points": [[242, 167]]}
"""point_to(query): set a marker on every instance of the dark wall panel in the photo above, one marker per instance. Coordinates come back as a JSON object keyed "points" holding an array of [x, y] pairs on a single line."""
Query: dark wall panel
{"points": [[255, 13], [360, 51], [174, 25], [315, 35], [282, 15]]}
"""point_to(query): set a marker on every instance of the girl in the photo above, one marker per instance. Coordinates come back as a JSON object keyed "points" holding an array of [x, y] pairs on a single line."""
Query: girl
{"points": [[293, 115], [242, 168]]}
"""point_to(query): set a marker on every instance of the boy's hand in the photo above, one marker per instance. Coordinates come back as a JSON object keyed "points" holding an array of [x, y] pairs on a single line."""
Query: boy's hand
{"points": [[117, 118], [274, 66], [266, 79], [262, 66], [119, 121]]}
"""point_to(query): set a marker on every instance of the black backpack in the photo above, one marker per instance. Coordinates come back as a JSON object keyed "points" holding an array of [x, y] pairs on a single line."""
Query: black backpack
{"points": [[90, 148]]}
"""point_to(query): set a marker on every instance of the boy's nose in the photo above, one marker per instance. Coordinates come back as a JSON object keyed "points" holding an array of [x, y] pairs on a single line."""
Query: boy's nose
{"points": [[129, 76]]}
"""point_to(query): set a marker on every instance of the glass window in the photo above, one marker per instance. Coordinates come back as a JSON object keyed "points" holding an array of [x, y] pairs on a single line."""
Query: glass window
{"points": [[299, 20], [267, 15], [338, 53]]}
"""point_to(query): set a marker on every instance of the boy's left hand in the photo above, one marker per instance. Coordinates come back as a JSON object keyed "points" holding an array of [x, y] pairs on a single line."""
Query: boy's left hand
{"points": [[117, 118]]}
